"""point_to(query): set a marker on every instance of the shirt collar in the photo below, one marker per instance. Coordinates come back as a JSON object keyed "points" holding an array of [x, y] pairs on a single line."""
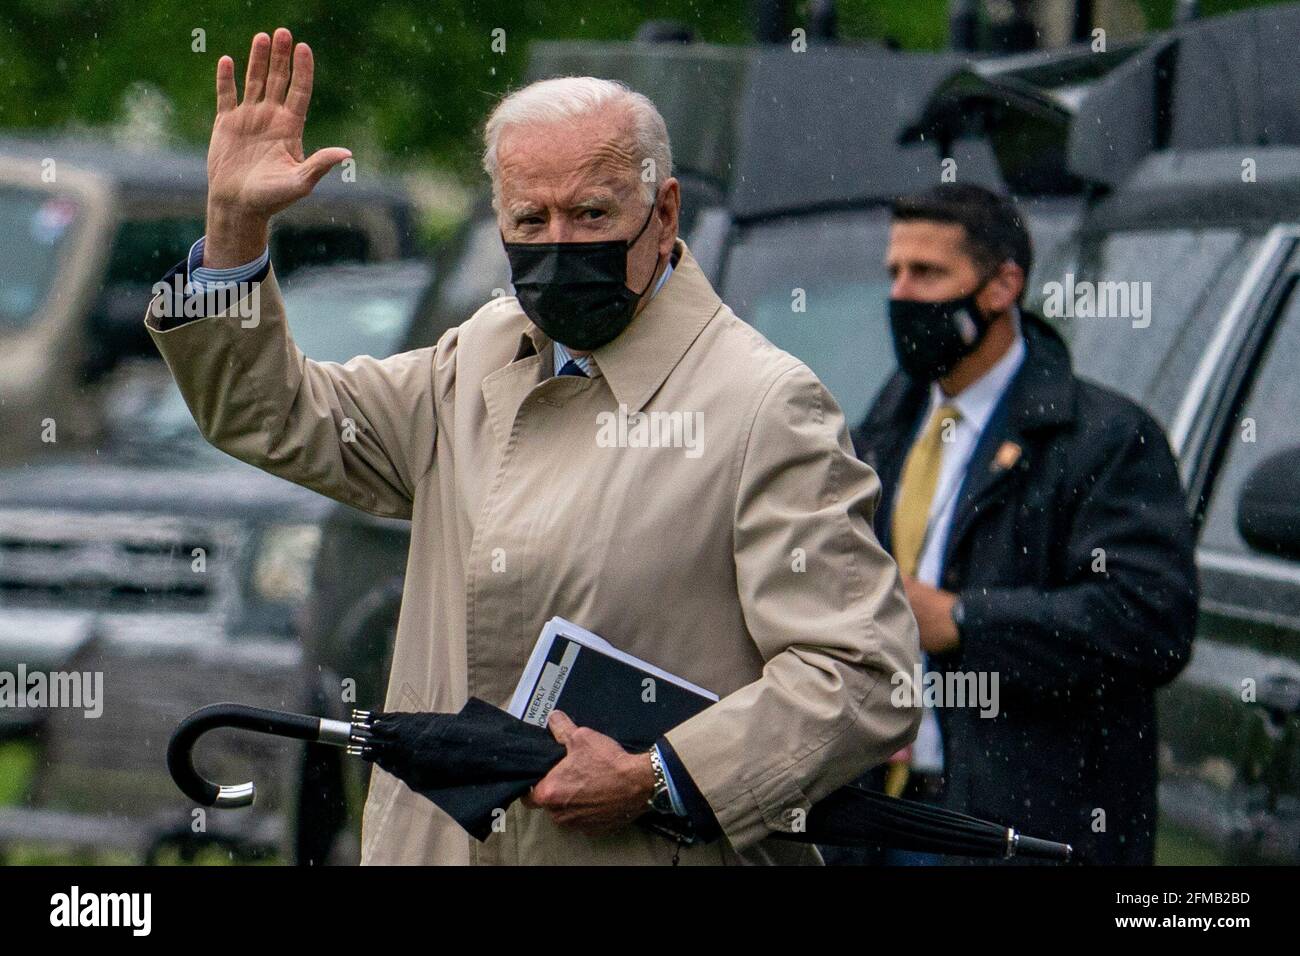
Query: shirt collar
{"points": [[563, 356], [977, 401]]}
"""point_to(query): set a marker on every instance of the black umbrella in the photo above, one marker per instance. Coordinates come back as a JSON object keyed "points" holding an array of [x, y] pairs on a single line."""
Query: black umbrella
{"points": [[479, 761]]}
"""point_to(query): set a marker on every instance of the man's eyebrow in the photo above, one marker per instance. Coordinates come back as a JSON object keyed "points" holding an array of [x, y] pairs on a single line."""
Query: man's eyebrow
{"points": [[600, 200], [596, 200]]}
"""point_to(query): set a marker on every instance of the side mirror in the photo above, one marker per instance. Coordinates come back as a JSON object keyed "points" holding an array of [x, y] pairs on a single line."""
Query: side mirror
{"points": [[1268, 511]]}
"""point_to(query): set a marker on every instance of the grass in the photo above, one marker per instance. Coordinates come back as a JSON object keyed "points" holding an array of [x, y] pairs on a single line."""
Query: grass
{"points": [[18, 760], [1176, 847], [17, 764]]}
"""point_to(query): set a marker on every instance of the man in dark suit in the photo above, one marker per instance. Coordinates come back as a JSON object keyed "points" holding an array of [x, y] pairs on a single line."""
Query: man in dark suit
{"points": [[1039, 523]]}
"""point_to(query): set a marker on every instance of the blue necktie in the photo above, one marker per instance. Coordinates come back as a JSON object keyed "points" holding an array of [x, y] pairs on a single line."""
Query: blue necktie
{"points": [[572, 368]]}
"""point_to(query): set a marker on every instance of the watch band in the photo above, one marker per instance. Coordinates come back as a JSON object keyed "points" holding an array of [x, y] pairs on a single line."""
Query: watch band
{"points": [[661, 800]]}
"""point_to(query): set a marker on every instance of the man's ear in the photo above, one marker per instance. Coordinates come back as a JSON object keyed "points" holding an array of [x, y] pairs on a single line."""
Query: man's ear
{"points": [[1003, 290], [668, 207]]}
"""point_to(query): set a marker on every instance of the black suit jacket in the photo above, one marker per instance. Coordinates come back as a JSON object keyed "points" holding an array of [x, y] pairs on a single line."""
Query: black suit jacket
{"points": [[1072, 553]]}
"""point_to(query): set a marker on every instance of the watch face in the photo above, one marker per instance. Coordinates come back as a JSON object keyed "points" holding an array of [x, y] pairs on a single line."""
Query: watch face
{"points": [[662, 802]]}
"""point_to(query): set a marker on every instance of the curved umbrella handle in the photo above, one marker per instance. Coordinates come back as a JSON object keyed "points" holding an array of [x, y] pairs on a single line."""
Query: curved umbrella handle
{"points": [[180, 761]]}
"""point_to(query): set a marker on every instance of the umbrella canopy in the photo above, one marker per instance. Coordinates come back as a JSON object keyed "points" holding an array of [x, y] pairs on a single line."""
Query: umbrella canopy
{"points": [[470, 764], [475, 763]]}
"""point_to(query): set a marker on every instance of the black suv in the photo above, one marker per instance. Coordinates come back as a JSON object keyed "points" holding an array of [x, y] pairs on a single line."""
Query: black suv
{"points": [[1200, 203]]}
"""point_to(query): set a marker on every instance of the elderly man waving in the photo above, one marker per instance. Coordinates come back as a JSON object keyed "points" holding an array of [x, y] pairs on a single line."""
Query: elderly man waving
{"points": [[744, 563]]}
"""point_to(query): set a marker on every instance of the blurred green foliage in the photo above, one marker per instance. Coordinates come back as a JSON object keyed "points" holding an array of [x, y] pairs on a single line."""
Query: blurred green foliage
{"points": [[409, 79], [413, 76]]}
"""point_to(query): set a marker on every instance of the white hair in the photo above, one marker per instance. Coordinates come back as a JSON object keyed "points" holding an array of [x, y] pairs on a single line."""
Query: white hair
{"points": [[567, 97]]}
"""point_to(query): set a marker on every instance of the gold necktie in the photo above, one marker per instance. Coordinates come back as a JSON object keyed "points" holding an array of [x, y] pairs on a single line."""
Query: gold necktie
{"points": [[916, 489], [911, 518]]}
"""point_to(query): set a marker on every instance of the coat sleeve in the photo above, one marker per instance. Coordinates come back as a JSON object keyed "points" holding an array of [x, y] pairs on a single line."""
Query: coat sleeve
{"points": [[361, 432], [1127, 604], [823, 603]]}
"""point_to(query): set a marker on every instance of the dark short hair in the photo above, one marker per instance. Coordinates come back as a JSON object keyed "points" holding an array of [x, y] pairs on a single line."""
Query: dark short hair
{"points": [[995, 230]]}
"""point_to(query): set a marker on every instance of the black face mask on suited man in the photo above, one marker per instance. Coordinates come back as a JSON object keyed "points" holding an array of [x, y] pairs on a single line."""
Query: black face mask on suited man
{"points": [[931, 338], [576, 292]]}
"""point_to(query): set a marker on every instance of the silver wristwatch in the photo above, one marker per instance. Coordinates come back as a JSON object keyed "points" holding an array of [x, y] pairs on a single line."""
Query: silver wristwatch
{"points": [[661, 800]]}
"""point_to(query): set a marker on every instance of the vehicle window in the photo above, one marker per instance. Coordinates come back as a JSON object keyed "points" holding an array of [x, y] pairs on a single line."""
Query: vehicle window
{"points": [[1061, 258], [468, 274], [1178, 281], [35, 227], [837, 261], [333, 321], [1268, 424], [293, 246], [1052, 227], [144, 249], [481, 269]]}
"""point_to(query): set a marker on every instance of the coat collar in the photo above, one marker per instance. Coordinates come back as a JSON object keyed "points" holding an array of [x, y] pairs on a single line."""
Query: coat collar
{"points": [[1043, 393], [636, 363]]}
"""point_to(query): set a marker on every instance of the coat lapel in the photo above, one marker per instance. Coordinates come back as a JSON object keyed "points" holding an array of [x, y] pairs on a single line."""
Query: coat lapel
{"points": [[636, 363], [505, 389], [998, 455], [1039, 399]]}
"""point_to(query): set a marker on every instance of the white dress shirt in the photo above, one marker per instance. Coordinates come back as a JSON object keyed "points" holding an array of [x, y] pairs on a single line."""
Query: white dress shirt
{"points": [[976, 404]]}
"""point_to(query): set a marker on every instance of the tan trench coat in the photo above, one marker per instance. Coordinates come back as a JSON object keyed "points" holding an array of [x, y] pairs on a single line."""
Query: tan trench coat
{"points": [[749, 568]]}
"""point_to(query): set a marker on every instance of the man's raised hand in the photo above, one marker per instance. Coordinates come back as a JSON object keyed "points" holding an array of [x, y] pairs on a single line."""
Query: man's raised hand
{"points": [[256, 165]]}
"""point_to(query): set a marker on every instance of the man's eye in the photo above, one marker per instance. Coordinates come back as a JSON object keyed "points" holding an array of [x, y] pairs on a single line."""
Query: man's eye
{"points": [[593, 213]]}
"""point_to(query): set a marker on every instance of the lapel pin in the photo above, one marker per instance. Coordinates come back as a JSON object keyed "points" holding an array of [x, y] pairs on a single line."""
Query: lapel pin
{"points": [[1007, 456]]}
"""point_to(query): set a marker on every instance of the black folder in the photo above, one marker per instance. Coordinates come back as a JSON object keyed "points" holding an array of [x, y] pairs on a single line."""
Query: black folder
{"points": [[603, 688]]}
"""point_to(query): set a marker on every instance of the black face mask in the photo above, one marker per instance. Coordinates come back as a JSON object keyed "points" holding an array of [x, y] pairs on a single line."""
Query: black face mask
{"points": [[576, 292], [931, 338]]}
